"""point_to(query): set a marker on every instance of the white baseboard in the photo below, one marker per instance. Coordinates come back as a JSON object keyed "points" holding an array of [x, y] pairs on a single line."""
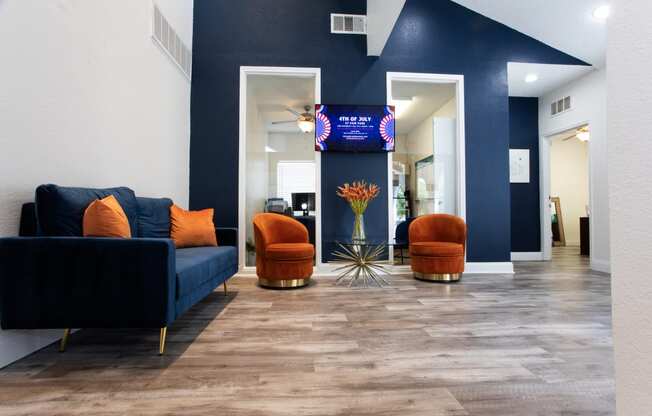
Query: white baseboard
{"points": [[489, 267], [600, 265], [527, 256], [328, 269]]}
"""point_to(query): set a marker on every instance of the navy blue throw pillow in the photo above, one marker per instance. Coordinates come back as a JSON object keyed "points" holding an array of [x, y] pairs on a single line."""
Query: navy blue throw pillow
{"points": [[60, 209], [154, 217]]}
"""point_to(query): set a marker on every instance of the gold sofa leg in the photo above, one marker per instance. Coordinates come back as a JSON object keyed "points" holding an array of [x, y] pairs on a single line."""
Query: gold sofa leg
{"points": [[64, 340], [225, 290], [161, 341]]}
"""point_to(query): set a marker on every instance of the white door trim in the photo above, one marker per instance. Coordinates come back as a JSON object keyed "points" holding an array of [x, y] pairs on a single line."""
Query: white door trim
{"points": [[458, 80], [296, 72]]}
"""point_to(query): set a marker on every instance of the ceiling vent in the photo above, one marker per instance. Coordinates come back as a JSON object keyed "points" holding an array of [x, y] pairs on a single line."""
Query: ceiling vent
{"points": [[560, 106], [350, 24], [166, 37]]}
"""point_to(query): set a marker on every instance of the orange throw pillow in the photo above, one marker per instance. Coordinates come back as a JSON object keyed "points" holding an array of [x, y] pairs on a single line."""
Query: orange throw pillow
{"points": [[106, 218], [192, 228]]}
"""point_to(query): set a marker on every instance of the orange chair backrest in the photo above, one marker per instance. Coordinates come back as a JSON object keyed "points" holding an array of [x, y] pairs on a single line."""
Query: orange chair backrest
{"points": [[272, 228], [438, 227]]}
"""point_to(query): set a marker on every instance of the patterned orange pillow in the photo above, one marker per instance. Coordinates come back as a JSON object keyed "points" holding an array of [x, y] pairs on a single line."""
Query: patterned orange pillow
{"points": [[106, 218], [192, 228]]}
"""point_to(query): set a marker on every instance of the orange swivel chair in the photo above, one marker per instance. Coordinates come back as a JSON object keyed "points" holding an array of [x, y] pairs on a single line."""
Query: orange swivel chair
{"points": [[437, 246], [284, 257]]}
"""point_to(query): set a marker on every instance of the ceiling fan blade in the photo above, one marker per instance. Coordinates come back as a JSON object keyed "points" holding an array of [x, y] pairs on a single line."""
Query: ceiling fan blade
{"points": [[296, 113], [284, 122]]}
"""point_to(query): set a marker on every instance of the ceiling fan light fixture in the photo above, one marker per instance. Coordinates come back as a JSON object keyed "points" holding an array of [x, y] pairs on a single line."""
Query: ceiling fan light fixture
{"points": [[306, 126], [583, 136]]}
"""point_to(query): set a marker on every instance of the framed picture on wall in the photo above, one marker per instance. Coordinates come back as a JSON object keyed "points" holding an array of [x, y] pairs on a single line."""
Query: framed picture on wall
{"points": [[519, 165]]}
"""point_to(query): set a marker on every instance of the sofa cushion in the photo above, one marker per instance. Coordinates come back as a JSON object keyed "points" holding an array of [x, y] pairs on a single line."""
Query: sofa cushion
{"points": [[192, 228], [289, 251], [154, 217], [60, 209], [436, 249], [197, 265], [106, 218]]}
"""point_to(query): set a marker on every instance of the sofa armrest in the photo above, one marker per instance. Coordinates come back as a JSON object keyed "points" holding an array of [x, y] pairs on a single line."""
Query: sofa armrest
{"points": [[227, 236], [75, 282]]}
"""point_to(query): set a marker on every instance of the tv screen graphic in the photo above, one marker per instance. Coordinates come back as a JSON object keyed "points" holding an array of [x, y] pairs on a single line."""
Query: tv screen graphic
{"points": [[354, 128]]}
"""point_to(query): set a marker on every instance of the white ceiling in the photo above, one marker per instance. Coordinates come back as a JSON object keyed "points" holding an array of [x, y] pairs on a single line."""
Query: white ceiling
{"points": [[381, 18], [426, 99], [276, 93], [551, 77], [567, 25]]}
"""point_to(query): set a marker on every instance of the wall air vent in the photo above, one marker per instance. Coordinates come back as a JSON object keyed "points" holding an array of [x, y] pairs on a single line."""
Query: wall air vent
{"points": [[560, 106], [351, 24], [166, 37]]}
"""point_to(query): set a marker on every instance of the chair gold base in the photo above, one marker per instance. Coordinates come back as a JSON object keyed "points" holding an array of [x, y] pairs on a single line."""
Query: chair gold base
{"points": [[283, 284], [438, 277]]}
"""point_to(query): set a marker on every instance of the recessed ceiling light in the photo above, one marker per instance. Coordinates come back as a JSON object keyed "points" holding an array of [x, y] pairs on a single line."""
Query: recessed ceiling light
{"points": [[602, 12], [531, 78]]}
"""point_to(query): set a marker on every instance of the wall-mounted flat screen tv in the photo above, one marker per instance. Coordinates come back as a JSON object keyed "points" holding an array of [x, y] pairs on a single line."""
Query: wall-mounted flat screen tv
{"points": [[354, 128]]}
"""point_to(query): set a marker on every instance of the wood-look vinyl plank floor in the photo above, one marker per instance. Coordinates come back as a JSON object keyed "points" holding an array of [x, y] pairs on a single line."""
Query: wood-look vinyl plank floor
{"points": [[536, 343]]}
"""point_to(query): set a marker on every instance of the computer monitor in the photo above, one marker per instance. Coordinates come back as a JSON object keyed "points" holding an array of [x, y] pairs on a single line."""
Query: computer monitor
{"points": [[303, 201]]}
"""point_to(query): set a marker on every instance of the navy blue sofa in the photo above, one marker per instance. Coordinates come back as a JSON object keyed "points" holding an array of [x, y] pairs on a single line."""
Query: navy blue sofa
{"points": [[52, 277]]}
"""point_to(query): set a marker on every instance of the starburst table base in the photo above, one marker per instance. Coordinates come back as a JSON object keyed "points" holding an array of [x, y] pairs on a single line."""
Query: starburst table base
{"points": [[360, 265]]}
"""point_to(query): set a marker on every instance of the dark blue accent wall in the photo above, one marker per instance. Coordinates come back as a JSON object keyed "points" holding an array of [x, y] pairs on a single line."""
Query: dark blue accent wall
{"points": [[433, 36], [524, 134]]}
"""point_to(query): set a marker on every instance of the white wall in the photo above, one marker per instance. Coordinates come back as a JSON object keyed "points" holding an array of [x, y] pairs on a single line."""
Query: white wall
{"points": [[589, 107], [381, 18], [87, 99], [420, 144], [257, 166], [569, 180], [288, 146], [419, 141], [630, 174]]}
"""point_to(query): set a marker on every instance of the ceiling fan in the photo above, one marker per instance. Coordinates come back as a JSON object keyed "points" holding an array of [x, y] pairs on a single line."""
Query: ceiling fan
{"points": [[305, 121], [582, 134]]}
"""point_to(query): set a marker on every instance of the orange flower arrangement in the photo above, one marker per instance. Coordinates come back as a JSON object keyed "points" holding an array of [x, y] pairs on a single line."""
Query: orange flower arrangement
{"points": [[358, 195]]}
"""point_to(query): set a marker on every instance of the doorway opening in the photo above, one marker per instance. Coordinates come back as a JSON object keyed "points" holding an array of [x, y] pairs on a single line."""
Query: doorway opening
{"points": [[426, 173], [567, 217], [279, 170]]}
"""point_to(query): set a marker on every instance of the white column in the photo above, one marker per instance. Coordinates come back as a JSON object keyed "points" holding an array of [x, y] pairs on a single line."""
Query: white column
{"points": [[629, 97]]}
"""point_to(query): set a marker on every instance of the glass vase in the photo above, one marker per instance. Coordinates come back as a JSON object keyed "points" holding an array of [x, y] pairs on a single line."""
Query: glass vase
{"points": [[358, 235]]}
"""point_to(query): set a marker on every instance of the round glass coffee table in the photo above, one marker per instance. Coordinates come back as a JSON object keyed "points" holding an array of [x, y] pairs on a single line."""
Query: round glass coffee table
{"points": [[361, 263]]}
